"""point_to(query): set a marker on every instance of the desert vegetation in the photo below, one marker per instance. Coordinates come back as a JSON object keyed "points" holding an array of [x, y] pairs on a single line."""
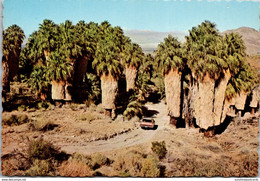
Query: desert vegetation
{"points": [[74, 94]]}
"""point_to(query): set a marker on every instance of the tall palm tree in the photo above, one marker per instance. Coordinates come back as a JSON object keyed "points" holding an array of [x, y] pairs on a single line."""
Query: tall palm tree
{"points": [[70, 48], [132, 58], [47, 38], [108, 67], [87, 35], [58, 71], [234, 55], [171, 62], [13, 37], [204, 46]]}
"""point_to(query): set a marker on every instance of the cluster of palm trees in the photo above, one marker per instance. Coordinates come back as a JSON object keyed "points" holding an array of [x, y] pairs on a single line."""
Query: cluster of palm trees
{"points": [[218, 73], [206, 73], [60, 55]]}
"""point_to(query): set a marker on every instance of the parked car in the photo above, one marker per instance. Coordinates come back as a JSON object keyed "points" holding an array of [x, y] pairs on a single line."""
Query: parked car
{"points": [[147, 123]]}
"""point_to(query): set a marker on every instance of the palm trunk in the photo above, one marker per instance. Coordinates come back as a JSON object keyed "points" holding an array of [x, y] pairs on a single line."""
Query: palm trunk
{"points": [[68, 91], [109, 87], [227, 110], [241, 100], [204, 103], [172, 82], [5, 77], [130, 75], [80, 70], [220, 98], [13, 63], [57, 90], [255, 98]]}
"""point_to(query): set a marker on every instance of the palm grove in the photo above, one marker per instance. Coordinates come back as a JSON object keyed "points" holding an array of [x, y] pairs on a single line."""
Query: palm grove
{"points": [[92, 62]]}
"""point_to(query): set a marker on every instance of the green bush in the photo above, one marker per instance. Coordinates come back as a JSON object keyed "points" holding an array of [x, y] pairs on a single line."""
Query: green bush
{"points": [[150, 167], [159, 148], [15, 120], [43, 105], [133, 109], [22, 108], [41, 150]]}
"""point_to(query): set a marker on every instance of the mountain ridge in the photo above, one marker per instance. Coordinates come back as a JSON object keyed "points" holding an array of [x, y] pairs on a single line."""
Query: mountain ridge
{"points": [[149, 39]]}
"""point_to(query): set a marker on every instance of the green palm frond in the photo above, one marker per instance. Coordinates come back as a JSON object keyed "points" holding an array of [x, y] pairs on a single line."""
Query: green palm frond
{"points": [[169, 55], [58, 68]]}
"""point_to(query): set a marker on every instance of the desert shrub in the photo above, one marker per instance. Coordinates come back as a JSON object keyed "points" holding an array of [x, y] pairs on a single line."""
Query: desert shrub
{"points": [[42, 125], [41, 150], [22, 108], [133, 109], [79, 157], [73, 107], [98, 159], [12, 120], [43, 105], [41, 168], [150, 167], [14, 164], [87, 117], [129, 164], [74, 169], [159, 148]]}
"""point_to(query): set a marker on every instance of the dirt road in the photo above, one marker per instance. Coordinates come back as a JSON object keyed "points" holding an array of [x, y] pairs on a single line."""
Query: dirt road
{"points": [[134, 137]]}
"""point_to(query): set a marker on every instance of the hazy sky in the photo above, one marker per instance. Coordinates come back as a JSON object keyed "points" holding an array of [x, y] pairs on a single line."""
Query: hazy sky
{"points": [[156, 15]]}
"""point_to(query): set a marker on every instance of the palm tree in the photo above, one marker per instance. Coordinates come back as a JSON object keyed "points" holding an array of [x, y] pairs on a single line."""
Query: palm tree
{"points": [[47, 38], [58, 71], [39, 82], [170, 61], [147, 66], [234, 55], [204, 46], [108, 67], [13, 37], [132, 58], [70, 48], [87, 36]]}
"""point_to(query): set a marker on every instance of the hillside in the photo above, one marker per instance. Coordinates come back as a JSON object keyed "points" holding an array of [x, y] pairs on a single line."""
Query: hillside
{"points": [[251, 38], [149, 40]]}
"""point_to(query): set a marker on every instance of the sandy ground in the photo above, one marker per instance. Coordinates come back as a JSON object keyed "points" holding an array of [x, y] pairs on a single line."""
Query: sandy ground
{"points": [[112, 138]]}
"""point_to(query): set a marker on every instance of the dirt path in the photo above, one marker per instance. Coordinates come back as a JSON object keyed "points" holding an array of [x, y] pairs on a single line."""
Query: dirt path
{"points": [[135, 137]]}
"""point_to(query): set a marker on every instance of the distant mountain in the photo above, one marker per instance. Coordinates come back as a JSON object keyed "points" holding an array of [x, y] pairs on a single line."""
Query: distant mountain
{"points": [[251, 38], [149, 40]]}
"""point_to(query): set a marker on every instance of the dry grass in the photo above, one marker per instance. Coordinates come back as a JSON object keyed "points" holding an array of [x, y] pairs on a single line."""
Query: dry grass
{"points": [[150, 167], [129, 164], [74, 169], [42, 125], [14, 119]]}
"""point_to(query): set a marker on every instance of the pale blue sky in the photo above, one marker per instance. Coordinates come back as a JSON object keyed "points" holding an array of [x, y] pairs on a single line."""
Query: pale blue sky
{"points": [[156, 15]]}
